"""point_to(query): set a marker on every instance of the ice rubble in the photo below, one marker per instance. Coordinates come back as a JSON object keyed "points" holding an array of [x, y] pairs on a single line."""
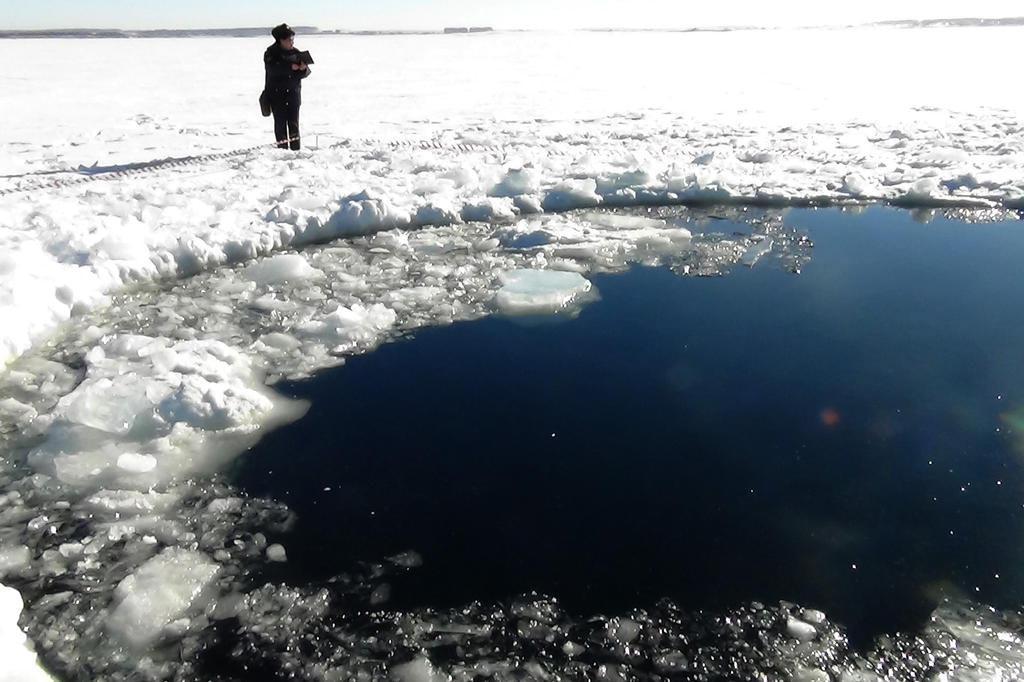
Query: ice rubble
{"points": [[137, 563], [370, 288], [329, 633], [148, 411], [119, 428], [70, 252]]}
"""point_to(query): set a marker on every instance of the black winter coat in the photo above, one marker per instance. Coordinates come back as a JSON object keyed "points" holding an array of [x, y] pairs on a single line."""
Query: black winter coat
{"points": [[283, 85]]}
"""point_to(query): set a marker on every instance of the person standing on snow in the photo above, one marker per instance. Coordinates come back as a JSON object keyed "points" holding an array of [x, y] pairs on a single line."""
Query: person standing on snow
{"points": [[284, 85]]}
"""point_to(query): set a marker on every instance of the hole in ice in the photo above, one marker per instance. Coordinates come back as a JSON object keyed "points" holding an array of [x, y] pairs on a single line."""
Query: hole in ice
{"points": [[668, 441], [673, 433]]}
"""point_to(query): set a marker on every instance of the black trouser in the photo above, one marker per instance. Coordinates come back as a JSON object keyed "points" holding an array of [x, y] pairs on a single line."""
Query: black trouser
{"points": [[286, 123]]}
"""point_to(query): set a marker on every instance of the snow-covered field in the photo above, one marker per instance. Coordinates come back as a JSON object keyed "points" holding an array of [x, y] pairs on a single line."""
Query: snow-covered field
{"points": [[555, 121], [142, 316]]}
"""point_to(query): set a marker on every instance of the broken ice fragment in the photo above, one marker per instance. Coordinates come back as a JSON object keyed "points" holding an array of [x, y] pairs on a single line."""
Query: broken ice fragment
{"points": [[757, 251], [536, 292], [160, 591], [797, 629]]}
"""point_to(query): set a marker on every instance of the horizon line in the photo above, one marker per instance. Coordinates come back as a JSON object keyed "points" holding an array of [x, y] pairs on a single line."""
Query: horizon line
{"points": [[314, 30]]}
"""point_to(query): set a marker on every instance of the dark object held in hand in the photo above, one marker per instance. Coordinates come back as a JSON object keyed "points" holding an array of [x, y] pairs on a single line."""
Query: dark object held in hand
{"points": [[301, 58]]}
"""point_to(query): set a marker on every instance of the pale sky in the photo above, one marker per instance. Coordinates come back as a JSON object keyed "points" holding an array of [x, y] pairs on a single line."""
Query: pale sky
{"points": [[433, 14]]}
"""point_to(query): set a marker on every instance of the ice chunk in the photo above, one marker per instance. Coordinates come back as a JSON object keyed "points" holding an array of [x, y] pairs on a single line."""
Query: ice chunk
{"points": [[572, 194], [225, 505], [16, 411], [13, 559], [82, 468], [670, 662], [351, 326], [924, 192], [111, 405], [437, 214], [363, 213], [160, 591], [277, 554], [280, 269], [811, 675], [616, 221], [517, 181], [271, 303], [416, 670], [757, 251], [280, 341], [487, 210], [857, 185], [408, 559], [812, 616], [19, 660], [130, 502], [71, 550], [572, 649], [623, 630], [135, 463], [798, 629], [534, 292], [528, 204], [215, 405]]}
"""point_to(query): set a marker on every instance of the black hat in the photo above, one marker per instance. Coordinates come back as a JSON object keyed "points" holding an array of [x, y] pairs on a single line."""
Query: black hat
{"points": [[282, 31]]}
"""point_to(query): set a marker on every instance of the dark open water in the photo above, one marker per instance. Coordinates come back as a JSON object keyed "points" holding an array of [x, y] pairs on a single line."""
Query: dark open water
{"points": [[841, 438]]}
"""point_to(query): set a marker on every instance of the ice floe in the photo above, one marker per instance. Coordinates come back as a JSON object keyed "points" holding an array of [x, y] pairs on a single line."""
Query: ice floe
{"points": [[525, 292]]}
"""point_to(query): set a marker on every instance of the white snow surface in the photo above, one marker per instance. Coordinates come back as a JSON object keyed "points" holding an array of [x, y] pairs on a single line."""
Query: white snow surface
{"points": [[19, 660], [552, 121]]}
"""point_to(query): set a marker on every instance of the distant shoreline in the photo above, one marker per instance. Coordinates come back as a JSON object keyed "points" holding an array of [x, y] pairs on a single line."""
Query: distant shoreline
{"points": [[99, 33], [113, 33]]}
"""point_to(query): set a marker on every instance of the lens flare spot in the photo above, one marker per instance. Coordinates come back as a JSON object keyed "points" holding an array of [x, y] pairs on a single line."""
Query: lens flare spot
{"points": [[830, 418]]}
